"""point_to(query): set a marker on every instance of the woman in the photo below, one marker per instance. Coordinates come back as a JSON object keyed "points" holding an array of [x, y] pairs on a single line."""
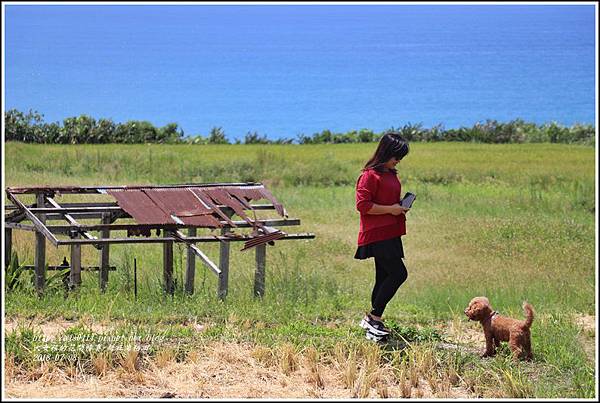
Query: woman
{"points": [[382, 223]]}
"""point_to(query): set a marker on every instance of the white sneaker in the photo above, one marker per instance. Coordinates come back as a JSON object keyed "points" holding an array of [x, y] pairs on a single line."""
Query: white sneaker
{"points": [[376, 327], [374, 337]]}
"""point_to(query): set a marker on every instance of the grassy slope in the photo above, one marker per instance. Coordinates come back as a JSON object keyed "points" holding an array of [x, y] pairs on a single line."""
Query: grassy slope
{"points": [[511, 222]]}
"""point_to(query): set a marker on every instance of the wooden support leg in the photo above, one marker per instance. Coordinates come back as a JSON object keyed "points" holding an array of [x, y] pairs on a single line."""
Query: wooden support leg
{"points": [[259, 276], [190, 273], [40, 251], [7, 246], [104, 254], [75, 273], [168, 265], [224, 266]]}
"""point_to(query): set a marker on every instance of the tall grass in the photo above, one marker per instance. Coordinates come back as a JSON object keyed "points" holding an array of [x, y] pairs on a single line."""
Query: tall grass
{"points": [[512, 222]]}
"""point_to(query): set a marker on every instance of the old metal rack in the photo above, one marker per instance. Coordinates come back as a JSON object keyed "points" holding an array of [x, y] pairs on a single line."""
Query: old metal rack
{"points": [[164, 209]]}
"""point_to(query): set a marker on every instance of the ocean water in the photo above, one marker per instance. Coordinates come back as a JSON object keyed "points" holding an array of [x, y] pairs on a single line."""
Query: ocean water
{"points": [[285, 70]]}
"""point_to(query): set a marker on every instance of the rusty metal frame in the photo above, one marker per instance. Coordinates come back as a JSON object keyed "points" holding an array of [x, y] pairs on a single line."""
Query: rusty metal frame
{"points": [[46, 208]]}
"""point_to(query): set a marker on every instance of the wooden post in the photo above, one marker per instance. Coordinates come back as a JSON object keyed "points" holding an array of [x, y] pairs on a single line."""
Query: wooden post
{"points": [[104, 254], [75, 272], [135, 278], [190, 273], [40, 251], [224, 266], [259, 276], [7, 246], [168, 265]]}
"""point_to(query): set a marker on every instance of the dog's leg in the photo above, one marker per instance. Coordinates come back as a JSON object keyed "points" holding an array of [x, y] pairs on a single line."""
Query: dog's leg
{"points": [[490, 348], [516, 346], [527, 347]]}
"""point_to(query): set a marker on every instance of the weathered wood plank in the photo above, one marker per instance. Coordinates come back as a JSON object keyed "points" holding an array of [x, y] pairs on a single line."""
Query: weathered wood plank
{"points": [[104, 254], [101, 189], [7, 246], [70, 219], [67, 210], [75, 272], [259, 276], [40, 225], [61, 267], [40, 251], [24, 227], [118, 227], [123, 214], [168, 267], [190, 272], [224, 266], [209, 263], [197, 239]]}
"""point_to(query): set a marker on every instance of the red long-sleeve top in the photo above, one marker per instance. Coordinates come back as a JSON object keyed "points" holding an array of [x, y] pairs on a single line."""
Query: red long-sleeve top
{"points": [[382, 188]]}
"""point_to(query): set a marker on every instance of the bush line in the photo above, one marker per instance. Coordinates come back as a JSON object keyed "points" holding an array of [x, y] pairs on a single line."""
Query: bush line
{"points": [[30, 128]]}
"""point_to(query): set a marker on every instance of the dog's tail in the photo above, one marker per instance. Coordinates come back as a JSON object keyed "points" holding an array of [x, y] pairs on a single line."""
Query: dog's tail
{"points": [[529, 313]]}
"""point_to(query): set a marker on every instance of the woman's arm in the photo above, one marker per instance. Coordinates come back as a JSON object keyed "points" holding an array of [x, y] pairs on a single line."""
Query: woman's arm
{"points": [[394, 209], [366, 187]]}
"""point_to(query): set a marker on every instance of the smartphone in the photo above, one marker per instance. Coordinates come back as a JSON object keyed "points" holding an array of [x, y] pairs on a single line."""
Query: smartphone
{"points": [[408, 200]]}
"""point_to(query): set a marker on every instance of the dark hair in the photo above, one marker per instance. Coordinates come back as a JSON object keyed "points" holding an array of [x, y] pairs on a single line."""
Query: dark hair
{"points": [[392, 144]]}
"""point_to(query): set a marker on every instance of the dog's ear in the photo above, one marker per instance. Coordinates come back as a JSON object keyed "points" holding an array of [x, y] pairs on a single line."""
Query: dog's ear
{"points": [[483, 302]]}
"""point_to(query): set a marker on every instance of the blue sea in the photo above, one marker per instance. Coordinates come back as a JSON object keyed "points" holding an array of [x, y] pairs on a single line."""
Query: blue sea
{"points": [[286, 70]]}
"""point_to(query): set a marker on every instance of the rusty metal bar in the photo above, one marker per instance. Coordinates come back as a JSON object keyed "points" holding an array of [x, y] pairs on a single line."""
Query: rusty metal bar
{"points": [[66, 210], [90, 204], [83, 216], [198, 239], [263, 239], [259, 206], [116, 227], [99, 189], [56, 215], [124, 214]]}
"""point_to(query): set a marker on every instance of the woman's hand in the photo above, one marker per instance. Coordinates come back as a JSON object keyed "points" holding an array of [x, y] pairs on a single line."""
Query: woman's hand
{"points": [[397, 209]]}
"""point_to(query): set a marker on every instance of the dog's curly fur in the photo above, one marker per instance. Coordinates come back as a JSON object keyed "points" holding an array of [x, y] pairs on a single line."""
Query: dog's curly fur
{"points": [[497, 328]]}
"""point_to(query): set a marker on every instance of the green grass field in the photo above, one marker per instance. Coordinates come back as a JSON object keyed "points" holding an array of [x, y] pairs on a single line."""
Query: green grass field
{"points": [[512, 222]]}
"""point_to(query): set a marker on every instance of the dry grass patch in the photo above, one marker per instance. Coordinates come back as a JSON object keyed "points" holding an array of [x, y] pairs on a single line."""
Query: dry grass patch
{"points": [[100, 363], [164, 357], [288, 359], [314, 368], [227, 370], [587, 337]]}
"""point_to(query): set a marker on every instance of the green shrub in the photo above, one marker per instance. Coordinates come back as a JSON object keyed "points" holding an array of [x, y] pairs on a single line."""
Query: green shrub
{"points": [[30, 128]]}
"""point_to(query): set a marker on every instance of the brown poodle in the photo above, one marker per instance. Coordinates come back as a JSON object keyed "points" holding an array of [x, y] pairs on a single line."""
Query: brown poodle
{"points": [[497, 328]]}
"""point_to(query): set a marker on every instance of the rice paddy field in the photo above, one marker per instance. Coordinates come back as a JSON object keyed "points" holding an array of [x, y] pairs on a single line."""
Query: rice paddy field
{"points": [[511, 222]]}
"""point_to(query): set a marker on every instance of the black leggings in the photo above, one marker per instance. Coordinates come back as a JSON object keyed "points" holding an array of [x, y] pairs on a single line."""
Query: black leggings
{"points": [[389, 276]]}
